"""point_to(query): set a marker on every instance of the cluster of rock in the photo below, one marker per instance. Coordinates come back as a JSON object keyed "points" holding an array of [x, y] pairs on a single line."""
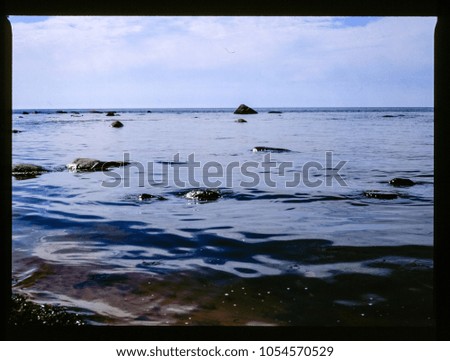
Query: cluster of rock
{"points": [[26, 170]]}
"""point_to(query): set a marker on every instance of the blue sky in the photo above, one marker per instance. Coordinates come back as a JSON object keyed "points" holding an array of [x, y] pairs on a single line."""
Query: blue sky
{"points": [[155, 62]]}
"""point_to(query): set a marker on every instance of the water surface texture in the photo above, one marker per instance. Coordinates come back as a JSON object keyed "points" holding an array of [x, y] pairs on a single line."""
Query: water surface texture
{"points": [[291, 238]]}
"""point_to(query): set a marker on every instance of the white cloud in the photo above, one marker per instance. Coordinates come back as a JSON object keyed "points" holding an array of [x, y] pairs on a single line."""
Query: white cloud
{"points": [[309, 57]]}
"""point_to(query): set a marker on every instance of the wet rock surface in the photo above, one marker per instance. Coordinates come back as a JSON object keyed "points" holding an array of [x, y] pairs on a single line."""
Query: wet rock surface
{"points": [[269, 149], [203, 195], [23, 171], [92, 165], [401, 182], [150, 197]]}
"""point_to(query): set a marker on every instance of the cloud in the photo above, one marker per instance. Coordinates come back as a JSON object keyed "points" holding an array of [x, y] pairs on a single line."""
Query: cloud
{"points": [[283, 59]]}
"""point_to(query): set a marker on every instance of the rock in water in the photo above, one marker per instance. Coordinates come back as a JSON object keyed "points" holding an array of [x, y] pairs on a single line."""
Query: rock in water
{"points": [[274, 112], [26, 171], [117, 124], [401, 182], [380, 195], [16, 131], [244, 109], [240, 120], [92, 165], [111, 114], [270, 149], [146, 197], [203, 195]]}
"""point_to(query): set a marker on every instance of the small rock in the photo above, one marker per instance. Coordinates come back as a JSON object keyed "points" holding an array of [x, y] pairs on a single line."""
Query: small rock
{"points": [[244, 109], [203, 195], [270, 149], [149, 111], [95, 112], [146, 196], [61, 112], [240, 121], [117, 124], [274, 112], [23, 171], [380, 195], [25, 113], [401, 182], [111, 114], [16, 131]]}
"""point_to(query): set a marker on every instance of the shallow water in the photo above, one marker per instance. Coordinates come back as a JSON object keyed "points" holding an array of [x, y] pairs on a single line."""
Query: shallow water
{"points": [[317, 252]]}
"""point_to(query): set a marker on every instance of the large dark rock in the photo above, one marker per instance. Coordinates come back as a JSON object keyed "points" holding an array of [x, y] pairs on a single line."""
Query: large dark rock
{"points": [[401, 182], [117, 124], [203, 195], [244, 109], [92, 165], [270, 149], [26, 171], [380, 195]]}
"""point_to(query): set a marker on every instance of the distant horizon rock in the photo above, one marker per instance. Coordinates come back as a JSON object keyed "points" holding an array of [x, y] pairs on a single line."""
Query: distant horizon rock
{"points": [[244, 109]]}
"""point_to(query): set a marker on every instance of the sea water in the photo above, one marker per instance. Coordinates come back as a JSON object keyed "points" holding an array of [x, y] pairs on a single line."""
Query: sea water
{"points": [[292, 239]]}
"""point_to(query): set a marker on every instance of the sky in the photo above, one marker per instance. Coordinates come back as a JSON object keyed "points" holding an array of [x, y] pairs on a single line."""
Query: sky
{"points": [[160, 62]]}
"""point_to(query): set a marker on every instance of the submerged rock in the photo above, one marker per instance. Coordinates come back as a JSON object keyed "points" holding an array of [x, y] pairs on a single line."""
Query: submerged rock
{"points": [[16, 131], [269, 149], [401, 182], [95, 112], [203, 195], [240, 120], [146, 197], [117, 124], [61, 112], [27, 170], [274, 112], [380, 195], [92, 165], [244, 109]]}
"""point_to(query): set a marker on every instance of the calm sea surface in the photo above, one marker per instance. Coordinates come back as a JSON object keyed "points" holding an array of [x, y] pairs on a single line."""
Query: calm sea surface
{"points": [[292, 239]]}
